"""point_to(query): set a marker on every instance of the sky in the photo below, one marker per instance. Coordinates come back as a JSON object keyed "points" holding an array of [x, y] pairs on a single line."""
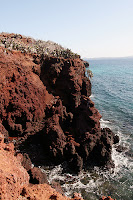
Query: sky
{"points": [[91, 28]]}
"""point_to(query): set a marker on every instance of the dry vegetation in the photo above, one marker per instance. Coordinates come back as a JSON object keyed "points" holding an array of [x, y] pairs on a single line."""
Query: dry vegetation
{"points": [[30, 45]]}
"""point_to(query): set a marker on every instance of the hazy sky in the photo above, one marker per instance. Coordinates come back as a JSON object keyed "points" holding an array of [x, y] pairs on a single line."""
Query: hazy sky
{"points": [[92, 28]]}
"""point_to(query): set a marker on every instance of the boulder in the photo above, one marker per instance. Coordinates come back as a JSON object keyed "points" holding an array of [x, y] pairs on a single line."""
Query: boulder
{"points": [[37, 176], [56, 185]]}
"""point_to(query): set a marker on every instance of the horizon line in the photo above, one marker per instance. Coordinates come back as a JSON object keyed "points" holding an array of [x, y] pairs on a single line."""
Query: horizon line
{"points": [[117, 57]]}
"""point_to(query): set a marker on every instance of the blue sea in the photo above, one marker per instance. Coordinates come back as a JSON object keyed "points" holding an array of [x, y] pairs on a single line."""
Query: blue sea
{"points": [[112, 93]]}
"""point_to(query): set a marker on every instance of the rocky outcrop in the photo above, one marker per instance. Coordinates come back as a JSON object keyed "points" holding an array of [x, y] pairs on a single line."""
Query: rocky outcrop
{"points": [[13, 176], [23, 96], [46, 111], [42, 192], [14, 179], [37, 176]]}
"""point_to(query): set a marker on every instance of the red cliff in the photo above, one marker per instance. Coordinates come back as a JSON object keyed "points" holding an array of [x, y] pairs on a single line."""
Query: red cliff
{"points": [[46, 111]]}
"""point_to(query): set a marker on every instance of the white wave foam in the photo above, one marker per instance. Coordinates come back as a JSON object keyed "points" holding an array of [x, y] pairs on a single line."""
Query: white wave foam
{"points": [[104, 123], [124, 139], [72, 183], [92, 96], [90, 182], [121, 162], [93, 182]]}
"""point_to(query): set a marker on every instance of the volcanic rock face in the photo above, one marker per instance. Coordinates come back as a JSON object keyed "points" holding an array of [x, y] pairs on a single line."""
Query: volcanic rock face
{"points": [[13, 176], [45, 107], [22, 93], [14, 179]]}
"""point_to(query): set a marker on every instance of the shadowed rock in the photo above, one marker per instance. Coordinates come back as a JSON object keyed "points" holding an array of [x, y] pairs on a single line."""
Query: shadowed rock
{"points": [[37, 176]]}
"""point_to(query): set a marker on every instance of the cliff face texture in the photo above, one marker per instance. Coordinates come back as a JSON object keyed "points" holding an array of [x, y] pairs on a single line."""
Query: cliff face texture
{"points": [[12, 175], [48, 97], [14, 179], [45, 110]]}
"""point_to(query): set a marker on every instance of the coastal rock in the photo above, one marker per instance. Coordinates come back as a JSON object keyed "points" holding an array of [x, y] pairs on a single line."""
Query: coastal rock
{"points": [[12, 175], [23, 96], [57, 187], [37, 176], [4, 131], [75, 163], [59, 75], [46, 111], [77, 196], [14, 179], [121, 148], [25, 161], [42, 192]]}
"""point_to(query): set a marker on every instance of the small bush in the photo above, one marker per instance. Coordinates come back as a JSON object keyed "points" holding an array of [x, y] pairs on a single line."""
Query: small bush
{"points": [[89, 73]]}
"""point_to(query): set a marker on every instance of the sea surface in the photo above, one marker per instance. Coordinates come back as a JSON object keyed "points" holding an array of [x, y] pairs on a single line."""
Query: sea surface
{"points": [[112, 93]]}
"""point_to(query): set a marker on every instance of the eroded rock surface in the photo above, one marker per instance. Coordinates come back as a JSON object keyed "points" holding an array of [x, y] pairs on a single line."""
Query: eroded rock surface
{"points": [[46, 110], [13, 176], [14, 179]]}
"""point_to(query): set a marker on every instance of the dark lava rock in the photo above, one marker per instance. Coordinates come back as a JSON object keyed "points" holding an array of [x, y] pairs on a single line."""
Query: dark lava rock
{"points": [[26, 162], [120, 148], [37, 176], [57, 187], [75, 163]]}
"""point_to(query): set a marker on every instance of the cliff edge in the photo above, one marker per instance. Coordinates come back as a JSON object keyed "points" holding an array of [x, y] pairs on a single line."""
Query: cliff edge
{"points": [[46, 110]]}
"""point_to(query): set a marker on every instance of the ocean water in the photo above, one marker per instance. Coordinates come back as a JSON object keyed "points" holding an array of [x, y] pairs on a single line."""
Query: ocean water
{"points": [[112, 93]]}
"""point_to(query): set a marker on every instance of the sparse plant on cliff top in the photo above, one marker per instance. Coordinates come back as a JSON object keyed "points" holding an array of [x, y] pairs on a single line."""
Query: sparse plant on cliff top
{"points": [[30, 45]]}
